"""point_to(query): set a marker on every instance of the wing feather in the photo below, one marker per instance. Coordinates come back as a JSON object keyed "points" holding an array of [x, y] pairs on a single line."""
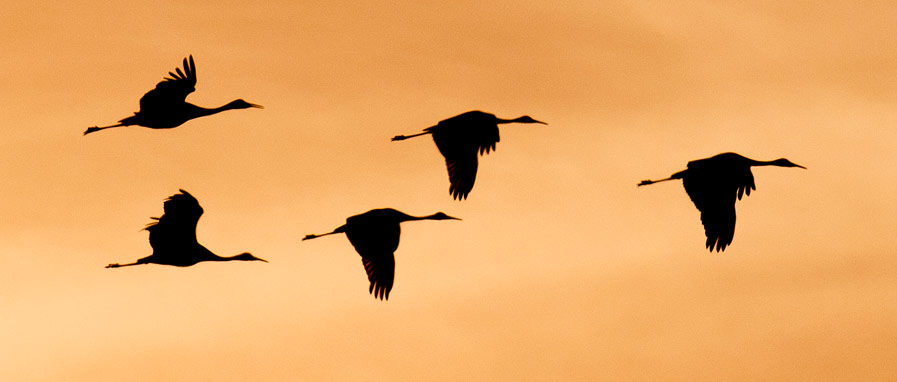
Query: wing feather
{"points": [[462, 173], [380, 269], [716, 201], [459, 140], [176, 228], [376, 241], [171, 91]]}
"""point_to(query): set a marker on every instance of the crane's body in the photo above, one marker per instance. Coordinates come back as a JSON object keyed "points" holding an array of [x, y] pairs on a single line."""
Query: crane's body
{"points": [[173, 236], [713, 184], [165, 106], [460, 139], [375, 236]]}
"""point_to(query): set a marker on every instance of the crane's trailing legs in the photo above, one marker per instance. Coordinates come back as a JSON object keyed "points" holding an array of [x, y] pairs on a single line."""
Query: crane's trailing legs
{"points": [[404, 137], [313, 236], [95, 128], [646, 182], [117, 265]]}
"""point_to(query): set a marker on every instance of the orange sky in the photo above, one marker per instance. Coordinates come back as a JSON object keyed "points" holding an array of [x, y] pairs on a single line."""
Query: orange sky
{"points": [[561, 269]]}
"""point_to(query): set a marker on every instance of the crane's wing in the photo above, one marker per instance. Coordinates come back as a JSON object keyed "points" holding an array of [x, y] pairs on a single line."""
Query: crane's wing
{"points": [[473, 128], [177, 226], [460, 153], [487, 138], [381, 270], [744, 182], [716, 201], [172, 91], [375, 240], [462, 173]]}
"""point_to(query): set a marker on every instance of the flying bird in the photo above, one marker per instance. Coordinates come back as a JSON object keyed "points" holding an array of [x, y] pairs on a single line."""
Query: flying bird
{"points": [[166, 107], [459, 139], [173, 236], [375, 236], [713, 184]]}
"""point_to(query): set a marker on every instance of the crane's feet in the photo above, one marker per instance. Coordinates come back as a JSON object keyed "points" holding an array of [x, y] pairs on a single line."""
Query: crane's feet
{"points": [[399, 138], [90, 130], [116, 265], [308, 237], [645, 183]]}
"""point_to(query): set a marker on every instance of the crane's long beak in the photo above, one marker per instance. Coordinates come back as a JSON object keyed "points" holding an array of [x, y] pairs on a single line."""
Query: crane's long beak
{"points": [[256, 106], [536, 121]]}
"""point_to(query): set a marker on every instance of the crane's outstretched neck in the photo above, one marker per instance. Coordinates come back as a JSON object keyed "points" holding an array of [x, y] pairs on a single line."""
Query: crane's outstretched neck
{"points": [[781, 162], [404, 137], [436, 216], [523, 119], [199, 111], [245, 256]]}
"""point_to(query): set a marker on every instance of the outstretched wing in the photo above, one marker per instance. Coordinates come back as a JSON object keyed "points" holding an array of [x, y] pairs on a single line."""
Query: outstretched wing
{"points": [[381, 270], [177, 226], [475, 128], [462, 173], [172, 91], [375, 240], [486, 137], [460, 139], [716, 201]]}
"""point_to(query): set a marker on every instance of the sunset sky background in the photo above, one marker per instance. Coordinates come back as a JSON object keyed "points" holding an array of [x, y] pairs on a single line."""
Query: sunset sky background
{"points": [[561, 268]]}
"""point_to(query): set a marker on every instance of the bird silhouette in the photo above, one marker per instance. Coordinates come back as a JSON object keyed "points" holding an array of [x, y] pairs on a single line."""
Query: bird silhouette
{"points": [[165, 106], [375, 236], [713, 184], [459, 139], [173, 236]]}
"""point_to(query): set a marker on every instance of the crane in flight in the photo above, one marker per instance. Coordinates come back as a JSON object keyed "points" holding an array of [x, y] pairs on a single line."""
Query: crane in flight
{"points": [[166, 107], [459, 139], [713, 184], [173, 236], [375, 236]]}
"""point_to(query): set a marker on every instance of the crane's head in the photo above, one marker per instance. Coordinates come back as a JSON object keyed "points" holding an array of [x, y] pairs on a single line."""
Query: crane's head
{"points": [[528, 119], [246, 256], [782, 162], [241, 104]]}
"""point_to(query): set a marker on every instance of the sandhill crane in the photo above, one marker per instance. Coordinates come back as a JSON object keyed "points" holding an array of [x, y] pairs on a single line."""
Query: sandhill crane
{"points": [[165, 106], [173, 236], [375, 236], [459, 139], [713, 184]]}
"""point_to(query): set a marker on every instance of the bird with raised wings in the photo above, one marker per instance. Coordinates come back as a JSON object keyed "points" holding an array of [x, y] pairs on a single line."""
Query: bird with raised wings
{"points": [[166, 107], [375, 236], [713, 184], [173, 236], [460, 139]]}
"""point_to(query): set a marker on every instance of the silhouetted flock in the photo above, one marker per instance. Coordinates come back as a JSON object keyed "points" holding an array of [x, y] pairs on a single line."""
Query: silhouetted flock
{"points": [[711, 183]]}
